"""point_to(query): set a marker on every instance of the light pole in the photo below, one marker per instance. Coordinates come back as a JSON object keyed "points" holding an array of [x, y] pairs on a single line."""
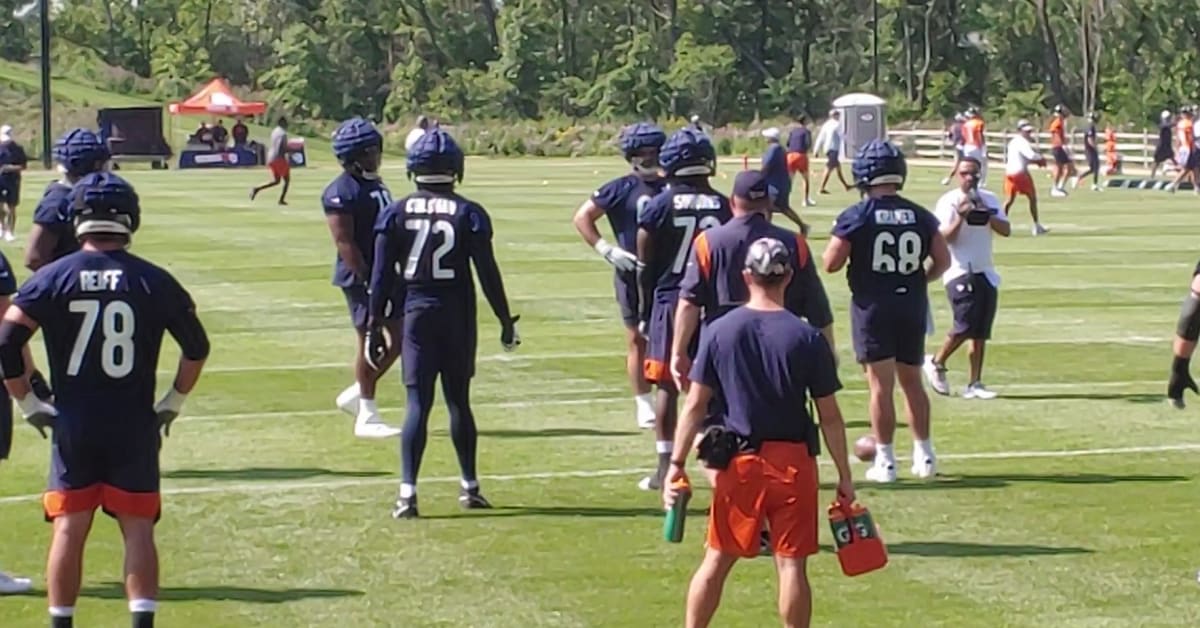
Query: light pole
{"points": [[44, 7], [875, 44]]}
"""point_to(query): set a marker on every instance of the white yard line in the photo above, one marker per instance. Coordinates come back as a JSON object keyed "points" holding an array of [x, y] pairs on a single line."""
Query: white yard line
{"points": [[275, 487]]}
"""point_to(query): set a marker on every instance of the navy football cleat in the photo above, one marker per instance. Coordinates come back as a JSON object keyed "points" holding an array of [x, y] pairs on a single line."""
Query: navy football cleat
{"points": [[470, 499], [406, 508]]}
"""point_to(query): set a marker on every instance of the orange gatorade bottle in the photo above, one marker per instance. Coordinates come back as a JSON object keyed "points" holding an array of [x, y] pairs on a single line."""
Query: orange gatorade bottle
{"points": [[860, 549]]}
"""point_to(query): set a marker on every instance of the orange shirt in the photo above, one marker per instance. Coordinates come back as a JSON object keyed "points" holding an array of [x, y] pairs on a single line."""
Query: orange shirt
{"points": [[973, 132], [1110, 141], [1058, 135], [1185, 133]]}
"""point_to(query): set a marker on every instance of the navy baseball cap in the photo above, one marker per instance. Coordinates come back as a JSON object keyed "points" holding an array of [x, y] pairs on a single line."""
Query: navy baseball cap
{"points": [[768, 257], [751, 185]]}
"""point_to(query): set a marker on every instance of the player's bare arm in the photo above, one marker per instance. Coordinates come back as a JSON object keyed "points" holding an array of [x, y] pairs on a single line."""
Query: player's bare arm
{"points": [[1000, 226], [40, 250], [189, 334], [837, 253], [585, 221], [833, 430], [939, 257], [15, 332], [381, 284], [341, 227], [690, 421], [687, 321]]}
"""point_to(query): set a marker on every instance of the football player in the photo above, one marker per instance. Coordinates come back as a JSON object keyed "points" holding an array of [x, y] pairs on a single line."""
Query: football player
{"points": [[1187, 332], [8, 286], [666, 229], [425, 244], [620, 200], [775, 168], [1188, 156], [1163, 153], [107, 430], [79, 153], [12, 163], [974, 140], [887, 239], [1064, 166], [799, 143], [1091, 149], [954, 134], [352, 203]]}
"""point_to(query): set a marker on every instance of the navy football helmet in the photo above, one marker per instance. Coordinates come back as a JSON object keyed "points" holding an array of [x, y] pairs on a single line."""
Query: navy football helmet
{"points": [[879, 163], [105, 203], [80, 152], [352, 144], [688, 153], [638, 137], [435, 158]]}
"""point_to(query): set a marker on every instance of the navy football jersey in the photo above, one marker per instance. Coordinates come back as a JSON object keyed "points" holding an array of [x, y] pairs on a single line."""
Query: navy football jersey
{"points": [[432, 238], [1089, 136], [890, 239], [673, 219], [8, 281], [103, 315], [363, 199], [12, 154], [622, 199], [53, 213]]}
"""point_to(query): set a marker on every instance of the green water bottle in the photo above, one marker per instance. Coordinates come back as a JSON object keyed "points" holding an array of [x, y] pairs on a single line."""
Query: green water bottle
{"points": [[677, 515]]}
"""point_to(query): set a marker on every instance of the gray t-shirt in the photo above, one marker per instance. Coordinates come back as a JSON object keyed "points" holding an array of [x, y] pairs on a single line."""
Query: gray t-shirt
{"points": [[278, 145]]}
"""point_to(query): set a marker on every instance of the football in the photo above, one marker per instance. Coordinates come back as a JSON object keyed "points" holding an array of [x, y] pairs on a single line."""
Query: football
{"points": [[864, 448]]}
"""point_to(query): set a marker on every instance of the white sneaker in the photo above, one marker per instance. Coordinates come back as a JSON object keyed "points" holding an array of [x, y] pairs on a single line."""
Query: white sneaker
{"points": [[946, 181], [978, 391], [882, 473], [645, 411], [924, 465], [1038, 230], [9, 236], [650, 483], [10, 585], [1074, 182], [371, 425], [936, 376], [1058, 192], [808, 202], [1096, 188], [347, 400]]}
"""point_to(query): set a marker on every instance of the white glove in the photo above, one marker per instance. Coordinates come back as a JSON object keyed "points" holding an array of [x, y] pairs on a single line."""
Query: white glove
{"points": [[168, 409], [38, 413], [621, 259]]}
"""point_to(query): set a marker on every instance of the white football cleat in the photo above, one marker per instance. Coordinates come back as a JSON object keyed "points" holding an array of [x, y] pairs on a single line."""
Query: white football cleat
{"points": [[10, 585], [978, 391], [1074, 182], [371, 425], [809, 202], [882, 473], [1038, 230], [650, 483], [924, 465], [946, 181], [347, 400], [936, 376], [1058, 192], [1097, 188]]}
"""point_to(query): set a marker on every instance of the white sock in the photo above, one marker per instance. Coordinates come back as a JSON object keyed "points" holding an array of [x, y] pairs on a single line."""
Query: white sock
{"points": [[644, 401], [62, 611], [664, 446], [470, 485], [367, 406], [351, 391], [408, 491], [922, 449], [142, 605], [884, 455]]}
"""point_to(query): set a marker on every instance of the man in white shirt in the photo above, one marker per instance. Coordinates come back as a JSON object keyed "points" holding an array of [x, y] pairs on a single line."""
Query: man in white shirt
{"points": [[277, 162], [968, 217], [416, 133], [829, 141], [1017, 157]]}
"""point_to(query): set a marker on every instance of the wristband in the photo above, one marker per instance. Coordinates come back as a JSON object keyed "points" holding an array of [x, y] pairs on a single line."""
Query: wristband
{"points": [[602, 247]]}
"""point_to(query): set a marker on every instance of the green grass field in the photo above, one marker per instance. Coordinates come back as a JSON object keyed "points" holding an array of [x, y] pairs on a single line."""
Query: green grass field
{"points": [[1069, 501]]}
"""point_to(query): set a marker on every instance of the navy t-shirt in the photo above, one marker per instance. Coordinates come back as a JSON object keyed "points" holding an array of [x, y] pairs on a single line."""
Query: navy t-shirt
{"points": [[774, 169], [1089, 136], [713, 279], [622, 199], [363, 199], [799, 140], [8, 281], [102, 315], [11, 154], [53, 213], [766, 365], [673, 219], [890, 238]]}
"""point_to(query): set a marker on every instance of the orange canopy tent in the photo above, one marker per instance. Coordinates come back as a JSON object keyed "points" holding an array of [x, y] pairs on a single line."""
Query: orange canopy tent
{"points": [[216, 97]]}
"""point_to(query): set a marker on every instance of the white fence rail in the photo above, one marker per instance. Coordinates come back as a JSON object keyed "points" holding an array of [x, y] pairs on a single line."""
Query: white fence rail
{"points": [[1136, 149]]}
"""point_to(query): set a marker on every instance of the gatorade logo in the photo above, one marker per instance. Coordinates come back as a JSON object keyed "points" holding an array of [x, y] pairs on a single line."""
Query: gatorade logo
{"points": [[863, 531], [843, 535]]}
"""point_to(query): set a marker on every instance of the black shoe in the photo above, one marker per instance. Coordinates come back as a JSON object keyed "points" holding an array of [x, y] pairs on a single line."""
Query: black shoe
{"points": [[470, 499], [406, 508], [764, 543]]}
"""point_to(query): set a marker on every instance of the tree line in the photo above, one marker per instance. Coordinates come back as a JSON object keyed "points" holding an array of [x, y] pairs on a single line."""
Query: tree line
{"points": [[609, 60]]}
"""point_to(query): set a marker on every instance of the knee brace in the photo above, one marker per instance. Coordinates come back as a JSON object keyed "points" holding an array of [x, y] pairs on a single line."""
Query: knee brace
{"points": [[1188, 327]]}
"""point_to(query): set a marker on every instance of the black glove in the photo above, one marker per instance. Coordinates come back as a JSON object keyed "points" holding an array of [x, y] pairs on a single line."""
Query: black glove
{"points": [[1181, 380], [509, 337], [40, 386], [375, 348]]}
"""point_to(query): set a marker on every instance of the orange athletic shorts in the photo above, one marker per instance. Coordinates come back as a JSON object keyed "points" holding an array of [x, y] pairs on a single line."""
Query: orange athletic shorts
{"points": [[797, 162], [778, 484], [1020, 183], [280, 168]]}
